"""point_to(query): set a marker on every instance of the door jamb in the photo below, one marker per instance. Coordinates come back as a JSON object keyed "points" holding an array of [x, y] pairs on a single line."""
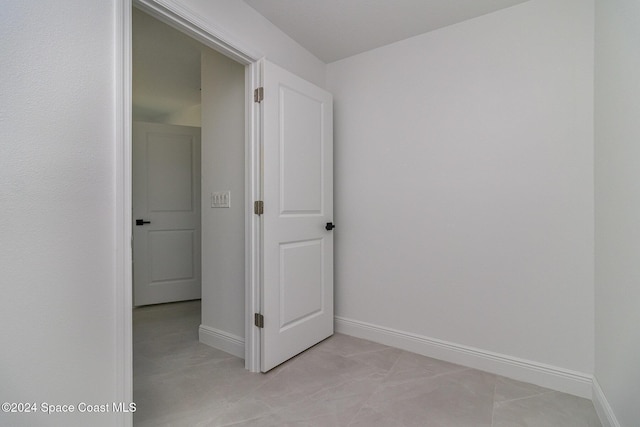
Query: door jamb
{"points": [[123, 215], [186, 21]]}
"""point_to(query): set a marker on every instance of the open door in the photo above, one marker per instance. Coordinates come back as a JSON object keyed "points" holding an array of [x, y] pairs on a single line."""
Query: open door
{"points": [[297, 289]]}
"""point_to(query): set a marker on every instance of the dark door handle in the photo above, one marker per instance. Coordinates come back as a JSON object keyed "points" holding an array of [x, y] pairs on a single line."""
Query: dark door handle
{"points": [[330, 226], [142, 222]]}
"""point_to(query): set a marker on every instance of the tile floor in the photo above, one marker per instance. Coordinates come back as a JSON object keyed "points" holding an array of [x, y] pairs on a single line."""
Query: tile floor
{"points": [[343, 381]]}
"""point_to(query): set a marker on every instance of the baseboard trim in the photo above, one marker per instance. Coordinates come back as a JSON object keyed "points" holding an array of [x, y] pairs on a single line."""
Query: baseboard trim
{"points": [[564, 380], [222, 340], [603, 409]]}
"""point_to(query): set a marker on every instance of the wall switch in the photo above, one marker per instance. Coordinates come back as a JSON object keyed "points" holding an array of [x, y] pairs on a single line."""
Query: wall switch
{"points": [[221, 199]]}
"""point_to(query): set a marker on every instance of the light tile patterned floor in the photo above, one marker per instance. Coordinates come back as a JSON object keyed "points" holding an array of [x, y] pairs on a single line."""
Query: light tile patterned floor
{"points": [[343, 381]]}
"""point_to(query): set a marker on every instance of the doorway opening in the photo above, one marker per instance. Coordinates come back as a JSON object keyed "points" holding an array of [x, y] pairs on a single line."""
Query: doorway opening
{"points": [[123, 184], [228, 178], [191, 182]]}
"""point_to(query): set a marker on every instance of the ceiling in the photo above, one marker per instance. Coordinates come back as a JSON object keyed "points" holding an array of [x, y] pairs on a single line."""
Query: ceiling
{"points": [[337, 29], [166, 63]]}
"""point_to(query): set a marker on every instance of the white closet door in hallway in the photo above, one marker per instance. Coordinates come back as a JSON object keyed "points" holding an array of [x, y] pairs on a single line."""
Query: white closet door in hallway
{"points": [[166, 213]]}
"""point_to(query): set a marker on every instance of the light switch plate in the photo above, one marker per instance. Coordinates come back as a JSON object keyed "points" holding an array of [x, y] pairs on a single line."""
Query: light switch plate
{"points": [[221, 199]]}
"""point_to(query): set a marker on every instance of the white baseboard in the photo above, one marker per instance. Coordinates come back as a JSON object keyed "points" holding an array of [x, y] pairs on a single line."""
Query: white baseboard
{"points": [[221, 340], [603, 409], [564, 380]]}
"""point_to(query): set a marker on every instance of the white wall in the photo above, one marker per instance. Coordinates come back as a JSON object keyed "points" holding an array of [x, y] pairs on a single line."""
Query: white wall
{"points": [[223, 169], [57, 222], [464, 184], [617, 98], [242, 24]]}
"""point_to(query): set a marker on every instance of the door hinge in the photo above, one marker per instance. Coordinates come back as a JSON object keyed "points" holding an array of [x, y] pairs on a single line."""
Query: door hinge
{"points": [[258, 320], [258, 94], [258, 207]]}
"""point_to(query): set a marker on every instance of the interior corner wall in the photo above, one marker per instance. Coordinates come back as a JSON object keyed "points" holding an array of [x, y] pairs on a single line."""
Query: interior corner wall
{"points": [[57, 192], [245, 26], [464, 185], [223, 169], [617, 136], [191, 116]]}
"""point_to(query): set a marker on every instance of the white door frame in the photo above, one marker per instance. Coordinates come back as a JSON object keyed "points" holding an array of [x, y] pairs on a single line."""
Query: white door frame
{"points": [[184, 20]]}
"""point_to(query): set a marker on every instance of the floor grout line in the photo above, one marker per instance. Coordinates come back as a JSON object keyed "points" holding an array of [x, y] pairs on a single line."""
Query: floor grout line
{"points": [[526, 397], [493, 407]]}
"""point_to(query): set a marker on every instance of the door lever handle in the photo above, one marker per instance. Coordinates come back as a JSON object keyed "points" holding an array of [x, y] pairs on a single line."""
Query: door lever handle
{"points": [[142, 222], [329, 226]]}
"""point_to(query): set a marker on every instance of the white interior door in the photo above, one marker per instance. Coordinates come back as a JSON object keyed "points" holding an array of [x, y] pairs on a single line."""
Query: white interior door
{"points": [[166, 213], [297, 296]]}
